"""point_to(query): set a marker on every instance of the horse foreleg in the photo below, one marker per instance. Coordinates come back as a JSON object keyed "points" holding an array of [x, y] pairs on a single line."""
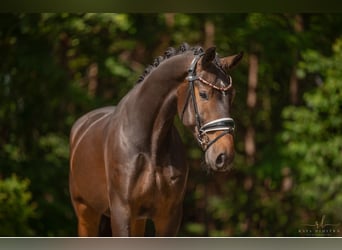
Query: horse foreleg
{"points": [[138, 228], [120, 217], [88, 220], [167, 224]]}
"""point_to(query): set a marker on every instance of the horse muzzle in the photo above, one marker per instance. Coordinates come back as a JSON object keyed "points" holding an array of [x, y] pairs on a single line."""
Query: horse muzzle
{"points": [[219, 155]]}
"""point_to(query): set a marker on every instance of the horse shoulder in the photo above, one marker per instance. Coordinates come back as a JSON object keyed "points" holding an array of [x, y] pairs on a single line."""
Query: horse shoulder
{"points": [[87, 120], [87, 175]]}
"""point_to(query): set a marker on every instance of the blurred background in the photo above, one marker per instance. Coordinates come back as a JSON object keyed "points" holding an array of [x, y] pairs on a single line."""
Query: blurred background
{"points": [[286, 179]]}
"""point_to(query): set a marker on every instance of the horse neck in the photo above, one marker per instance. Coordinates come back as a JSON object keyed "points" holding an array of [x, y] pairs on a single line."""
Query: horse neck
{"points": [[152, 104]]}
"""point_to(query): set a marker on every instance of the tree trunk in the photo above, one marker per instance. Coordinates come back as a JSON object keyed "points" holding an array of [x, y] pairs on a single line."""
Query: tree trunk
{"points": [[250, 147], [209, 32], [92, 76], [293, 87], [298, 28]]}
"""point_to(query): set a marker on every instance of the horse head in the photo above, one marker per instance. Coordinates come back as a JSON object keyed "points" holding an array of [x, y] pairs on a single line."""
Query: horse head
{"points": [[204, 105]]}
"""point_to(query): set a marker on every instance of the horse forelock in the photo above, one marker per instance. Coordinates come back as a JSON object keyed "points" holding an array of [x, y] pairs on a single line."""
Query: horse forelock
{"points": [[170, 52]]}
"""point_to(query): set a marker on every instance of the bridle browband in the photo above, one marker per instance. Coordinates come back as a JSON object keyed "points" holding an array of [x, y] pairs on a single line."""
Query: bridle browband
{"points": [[225, 124]]}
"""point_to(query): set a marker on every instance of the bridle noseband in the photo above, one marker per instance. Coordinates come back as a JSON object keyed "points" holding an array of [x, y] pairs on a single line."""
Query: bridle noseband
{"points": [[225, 124]]}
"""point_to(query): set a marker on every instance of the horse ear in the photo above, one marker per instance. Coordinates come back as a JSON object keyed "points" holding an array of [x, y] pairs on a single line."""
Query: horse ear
{"points": [[209, 56], [231, 61]]}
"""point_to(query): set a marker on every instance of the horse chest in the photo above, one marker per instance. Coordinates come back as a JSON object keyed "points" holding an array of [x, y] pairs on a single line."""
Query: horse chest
{"points": [[159, 181], [158, 188]]}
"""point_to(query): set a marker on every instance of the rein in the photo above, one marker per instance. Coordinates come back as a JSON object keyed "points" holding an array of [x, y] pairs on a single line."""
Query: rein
{"points": [[225, 124]]}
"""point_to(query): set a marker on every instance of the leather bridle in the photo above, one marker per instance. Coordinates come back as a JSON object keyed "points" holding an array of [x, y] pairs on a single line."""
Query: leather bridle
{"points": [[225, 124]]}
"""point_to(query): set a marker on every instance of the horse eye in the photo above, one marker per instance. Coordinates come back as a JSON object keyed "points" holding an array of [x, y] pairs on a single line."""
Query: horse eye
{"points": [[204, 95]]}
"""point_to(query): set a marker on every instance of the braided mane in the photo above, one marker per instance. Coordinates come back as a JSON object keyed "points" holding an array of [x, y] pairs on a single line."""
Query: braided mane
{"points": [[170, 52]]}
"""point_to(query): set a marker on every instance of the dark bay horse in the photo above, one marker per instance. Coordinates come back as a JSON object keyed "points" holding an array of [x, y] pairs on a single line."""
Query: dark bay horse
{"points": [[127, 163]]}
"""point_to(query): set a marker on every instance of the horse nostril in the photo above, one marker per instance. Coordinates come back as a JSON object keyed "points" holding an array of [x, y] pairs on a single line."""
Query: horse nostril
{"points": [[221, 160]]}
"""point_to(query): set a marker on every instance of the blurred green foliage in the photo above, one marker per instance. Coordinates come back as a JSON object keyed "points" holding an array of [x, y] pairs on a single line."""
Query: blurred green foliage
{"points": [[16, 207], [313, 135], [57, 66]]}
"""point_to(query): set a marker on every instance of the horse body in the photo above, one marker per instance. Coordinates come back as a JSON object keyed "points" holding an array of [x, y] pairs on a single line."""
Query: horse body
{"points": [[115, 144], [127, 163]]}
